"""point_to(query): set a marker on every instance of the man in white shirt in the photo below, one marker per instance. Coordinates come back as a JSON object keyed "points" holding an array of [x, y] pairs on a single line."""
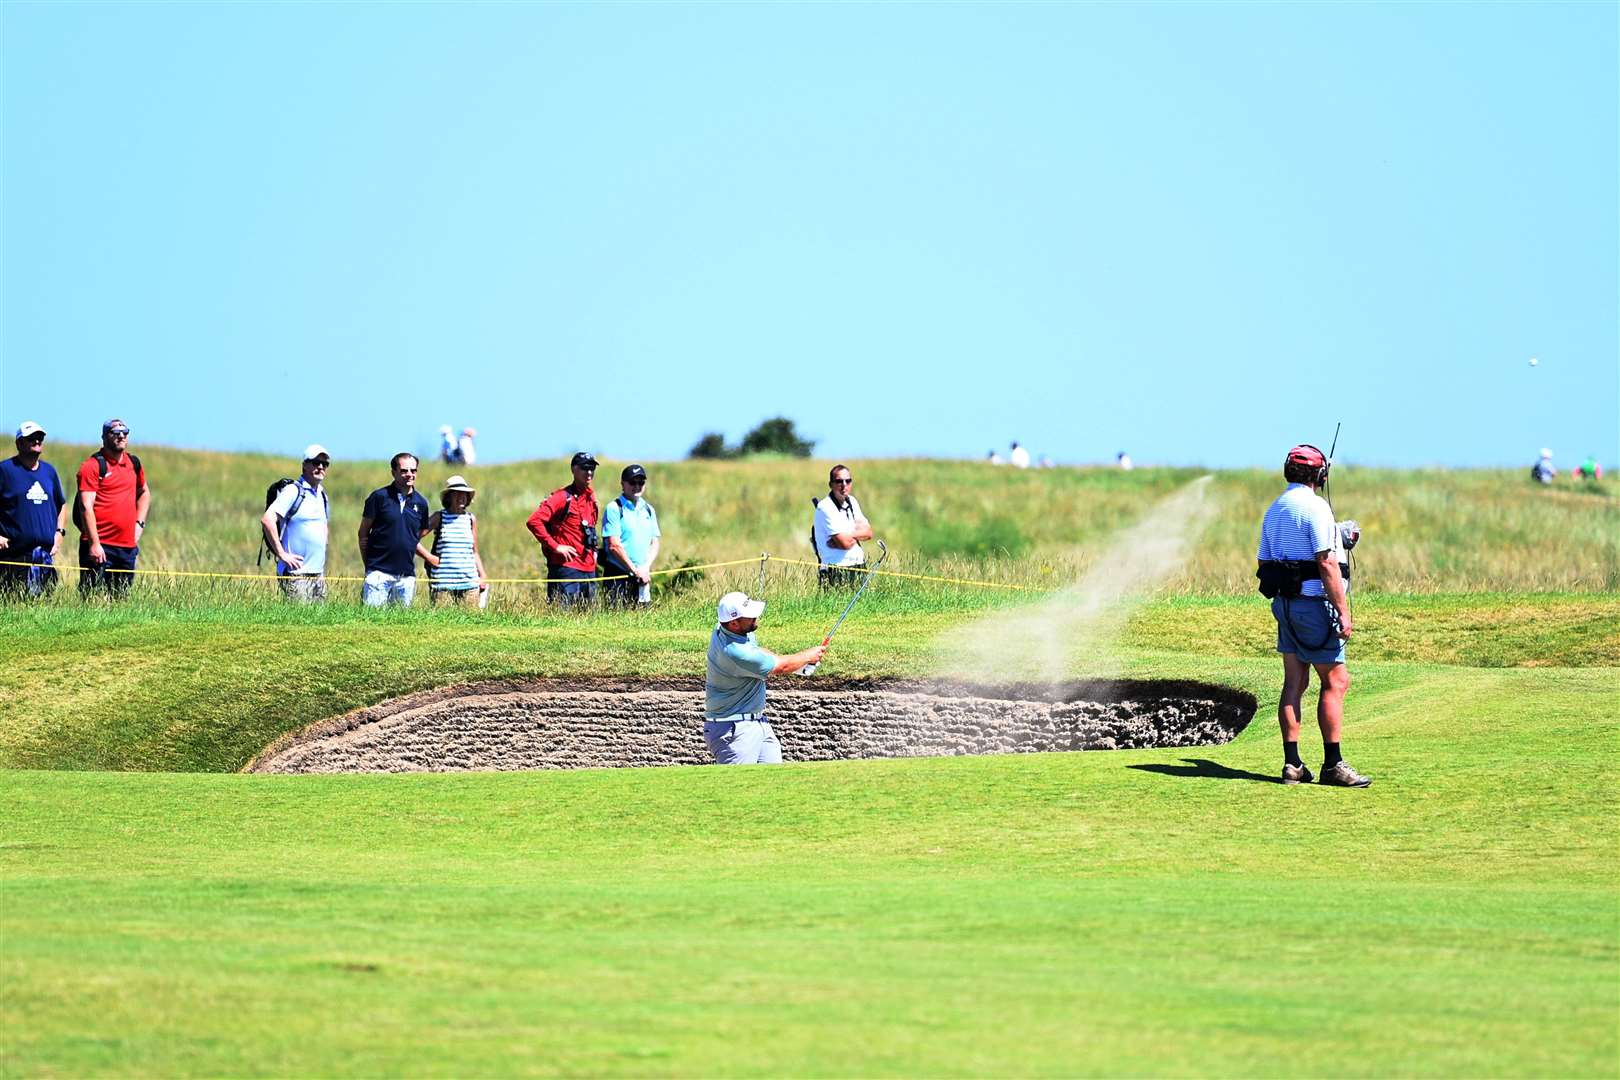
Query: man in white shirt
{"points": [[295, 529], [839, 528], [1300, 556]]}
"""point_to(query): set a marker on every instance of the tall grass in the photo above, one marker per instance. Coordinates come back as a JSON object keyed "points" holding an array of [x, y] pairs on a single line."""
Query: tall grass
{"points": [[1425, 531]]}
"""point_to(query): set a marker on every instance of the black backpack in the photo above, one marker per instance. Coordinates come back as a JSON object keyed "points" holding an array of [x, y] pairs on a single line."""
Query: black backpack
{"points": [[270, 494], [100, 458]]}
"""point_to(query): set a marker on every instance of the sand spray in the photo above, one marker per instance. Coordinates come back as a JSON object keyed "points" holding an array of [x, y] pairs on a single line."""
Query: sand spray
{"points": [[1074, 631]]}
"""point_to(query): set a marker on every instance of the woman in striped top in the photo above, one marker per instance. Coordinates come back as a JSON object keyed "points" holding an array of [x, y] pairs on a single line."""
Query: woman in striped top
{"points": [[455, 568]]}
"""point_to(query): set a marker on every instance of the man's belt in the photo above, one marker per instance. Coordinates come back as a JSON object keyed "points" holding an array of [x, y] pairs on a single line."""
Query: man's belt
{"points": [[734, 718]]}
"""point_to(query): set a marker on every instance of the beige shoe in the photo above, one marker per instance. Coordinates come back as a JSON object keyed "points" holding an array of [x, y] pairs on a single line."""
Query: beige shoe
{"points": [[1296, 774], [1342, 775]]}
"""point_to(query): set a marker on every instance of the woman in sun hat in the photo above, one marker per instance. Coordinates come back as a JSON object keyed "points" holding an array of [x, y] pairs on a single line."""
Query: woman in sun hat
{"points": [[455, 569]]}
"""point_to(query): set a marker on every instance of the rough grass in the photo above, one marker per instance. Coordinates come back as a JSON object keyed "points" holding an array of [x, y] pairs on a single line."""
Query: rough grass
{"points": [[1426, 531]]}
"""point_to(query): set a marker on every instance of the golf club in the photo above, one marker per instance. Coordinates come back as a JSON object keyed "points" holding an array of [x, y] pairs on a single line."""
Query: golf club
{"points": [[883, 553]]}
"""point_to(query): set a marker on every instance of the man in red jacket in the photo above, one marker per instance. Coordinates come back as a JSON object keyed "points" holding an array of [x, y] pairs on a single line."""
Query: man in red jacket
{"points": [[565, 524]]}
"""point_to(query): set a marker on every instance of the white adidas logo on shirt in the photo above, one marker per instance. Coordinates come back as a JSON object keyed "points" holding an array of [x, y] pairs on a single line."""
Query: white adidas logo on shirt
{"points": [[36, 494]]}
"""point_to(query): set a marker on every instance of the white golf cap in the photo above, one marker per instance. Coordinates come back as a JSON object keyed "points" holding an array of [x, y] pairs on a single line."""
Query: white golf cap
{"points": [[736, 605], [315, 450], [1546, 452], [29, 428]]}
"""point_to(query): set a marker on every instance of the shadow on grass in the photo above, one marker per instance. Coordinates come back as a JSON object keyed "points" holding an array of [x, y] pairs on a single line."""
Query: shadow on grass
{"points": [[1202, 768]]}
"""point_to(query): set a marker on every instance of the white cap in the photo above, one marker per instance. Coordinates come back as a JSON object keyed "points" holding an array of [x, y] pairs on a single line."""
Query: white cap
{"points": [[29, 428], [736, 605], [444, 429], [1546, 452], [315, 450]]}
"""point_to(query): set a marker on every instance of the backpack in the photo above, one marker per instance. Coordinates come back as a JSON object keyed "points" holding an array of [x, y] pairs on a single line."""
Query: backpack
{"points": [[100, 458], [270, 495]]}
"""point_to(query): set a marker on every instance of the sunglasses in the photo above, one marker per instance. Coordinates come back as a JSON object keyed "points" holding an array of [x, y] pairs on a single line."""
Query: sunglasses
{"points": [[851, 480], [641, 482], [119, 434], [319, 464], [34, 438]]}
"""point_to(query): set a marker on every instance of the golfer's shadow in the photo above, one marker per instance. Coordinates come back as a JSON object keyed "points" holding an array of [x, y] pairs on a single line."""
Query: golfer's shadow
{"points": [[1208, 770]]}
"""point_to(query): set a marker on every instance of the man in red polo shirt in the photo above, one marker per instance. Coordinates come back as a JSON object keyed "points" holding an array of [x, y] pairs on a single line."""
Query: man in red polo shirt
{"points": [[565, 524], [112, 504]]}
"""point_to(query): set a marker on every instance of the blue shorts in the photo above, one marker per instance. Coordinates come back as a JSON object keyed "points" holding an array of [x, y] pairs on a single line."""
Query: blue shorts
{"points": [[1305, 621]]}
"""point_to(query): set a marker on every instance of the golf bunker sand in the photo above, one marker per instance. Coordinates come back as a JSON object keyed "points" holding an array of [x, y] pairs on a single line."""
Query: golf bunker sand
{"points": [[606, 723]]}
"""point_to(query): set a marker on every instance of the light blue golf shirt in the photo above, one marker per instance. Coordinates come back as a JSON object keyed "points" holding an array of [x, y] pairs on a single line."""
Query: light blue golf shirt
{"points": [[736, 679], [1296, 526], [635, 523]]}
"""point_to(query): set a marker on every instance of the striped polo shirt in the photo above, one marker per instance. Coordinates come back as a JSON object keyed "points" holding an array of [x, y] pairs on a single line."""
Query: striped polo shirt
{"points": [[1297, 526], [457, 571]]}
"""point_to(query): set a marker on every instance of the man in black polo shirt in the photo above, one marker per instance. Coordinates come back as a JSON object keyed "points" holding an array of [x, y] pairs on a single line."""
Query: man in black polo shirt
{"points": [[390, 528]]}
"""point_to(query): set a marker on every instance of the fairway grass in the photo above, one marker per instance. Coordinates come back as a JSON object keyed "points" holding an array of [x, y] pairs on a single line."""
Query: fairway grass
{"points": [[1155, 912]]}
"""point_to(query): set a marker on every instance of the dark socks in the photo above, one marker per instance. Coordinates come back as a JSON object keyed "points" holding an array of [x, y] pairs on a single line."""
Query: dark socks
{"points": [[1291, 753], [1331, 755]]}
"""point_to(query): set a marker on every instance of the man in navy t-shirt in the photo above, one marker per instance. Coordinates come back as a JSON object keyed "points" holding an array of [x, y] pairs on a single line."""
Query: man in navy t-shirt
{"points": [[33, 517], [391, 528]]}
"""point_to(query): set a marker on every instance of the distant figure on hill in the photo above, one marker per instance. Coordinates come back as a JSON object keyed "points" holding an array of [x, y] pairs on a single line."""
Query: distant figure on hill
{"points": [[734, 723], [1588, 469], [112, 501], [1123, 460], [391, 526], [994, 458], [466, 452], [455, 569], [1542, 471], [565, 525], [447, 444], [838, 528], [295, 527], [33, 517], [1047, 463], [1018, 456], [1302, 568], [630, 537]]}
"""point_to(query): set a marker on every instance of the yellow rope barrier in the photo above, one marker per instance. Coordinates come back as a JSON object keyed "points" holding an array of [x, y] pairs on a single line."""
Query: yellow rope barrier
{"points": [[760, 559]]}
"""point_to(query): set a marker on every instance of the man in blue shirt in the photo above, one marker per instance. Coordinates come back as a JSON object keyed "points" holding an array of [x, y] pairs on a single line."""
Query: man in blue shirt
{"points": [[391, 526], [630, 536], [734, 723], [33, 517]]}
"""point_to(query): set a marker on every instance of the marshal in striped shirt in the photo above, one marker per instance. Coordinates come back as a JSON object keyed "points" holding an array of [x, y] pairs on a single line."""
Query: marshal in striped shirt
{"points": [[1297, 526]]}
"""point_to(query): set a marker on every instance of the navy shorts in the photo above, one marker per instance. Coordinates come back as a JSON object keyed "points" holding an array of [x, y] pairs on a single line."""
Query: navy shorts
{"points": [[1308, 621]]}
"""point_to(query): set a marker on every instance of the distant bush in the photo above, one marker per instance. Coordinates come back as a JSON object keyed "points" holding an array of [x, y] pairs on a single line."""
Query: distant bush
{"points": [[775, 436], [712, 446]]}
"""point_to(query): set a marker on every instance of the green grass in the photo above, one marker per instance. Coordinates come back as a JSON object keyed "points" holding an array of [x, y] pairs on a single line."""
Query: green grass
{"points": [[1165, 912], [1029, 915]]}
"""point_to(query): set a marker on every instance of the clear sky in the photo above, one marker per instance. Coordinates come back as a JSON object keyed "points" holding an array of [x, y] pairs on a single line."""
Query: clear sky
{"points": [[1199, 232]]}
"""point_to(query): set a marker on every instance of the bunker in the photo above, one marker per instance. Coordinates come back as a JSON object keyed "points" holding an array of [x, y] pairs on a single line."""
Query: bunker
{"points": [[619, 723]]}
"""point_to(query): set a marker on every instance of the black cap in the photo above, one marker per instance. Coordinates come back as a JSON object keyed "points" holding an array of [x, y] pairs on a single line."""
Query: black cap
{"points": [[633, 472], [585, 458]]}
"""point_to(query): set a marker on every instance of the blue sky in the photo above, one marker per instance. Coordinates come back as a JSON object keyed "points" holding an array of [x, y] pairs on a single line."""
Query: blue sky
{"points": [[1197, 232]]}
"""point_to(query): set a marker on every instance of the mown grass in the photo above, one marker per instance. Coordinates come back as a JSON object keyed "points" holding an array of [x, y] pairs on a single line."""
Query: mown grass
{"points": [[1154, 912], [1426, 531]]}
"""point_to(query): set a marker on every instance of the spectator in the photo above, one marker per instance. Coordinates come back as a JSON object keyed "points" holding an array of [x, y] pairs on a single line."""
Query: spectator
{"points": [[734, 723], [1542, 471], [113, 500], [391, 526], [1018, 456], [466, 453], [1123, 460], [565, 525], [630, 536], [455, 569], [839, 528], [994, 458], [295, 529], [447, 444], [33, 517], [1588, 469]]}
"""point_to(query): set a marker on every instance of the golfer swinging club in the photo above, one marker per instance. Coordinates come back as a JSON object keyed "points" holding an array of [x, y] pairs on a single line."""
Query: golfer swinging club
{"points": [[734, 723]]}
